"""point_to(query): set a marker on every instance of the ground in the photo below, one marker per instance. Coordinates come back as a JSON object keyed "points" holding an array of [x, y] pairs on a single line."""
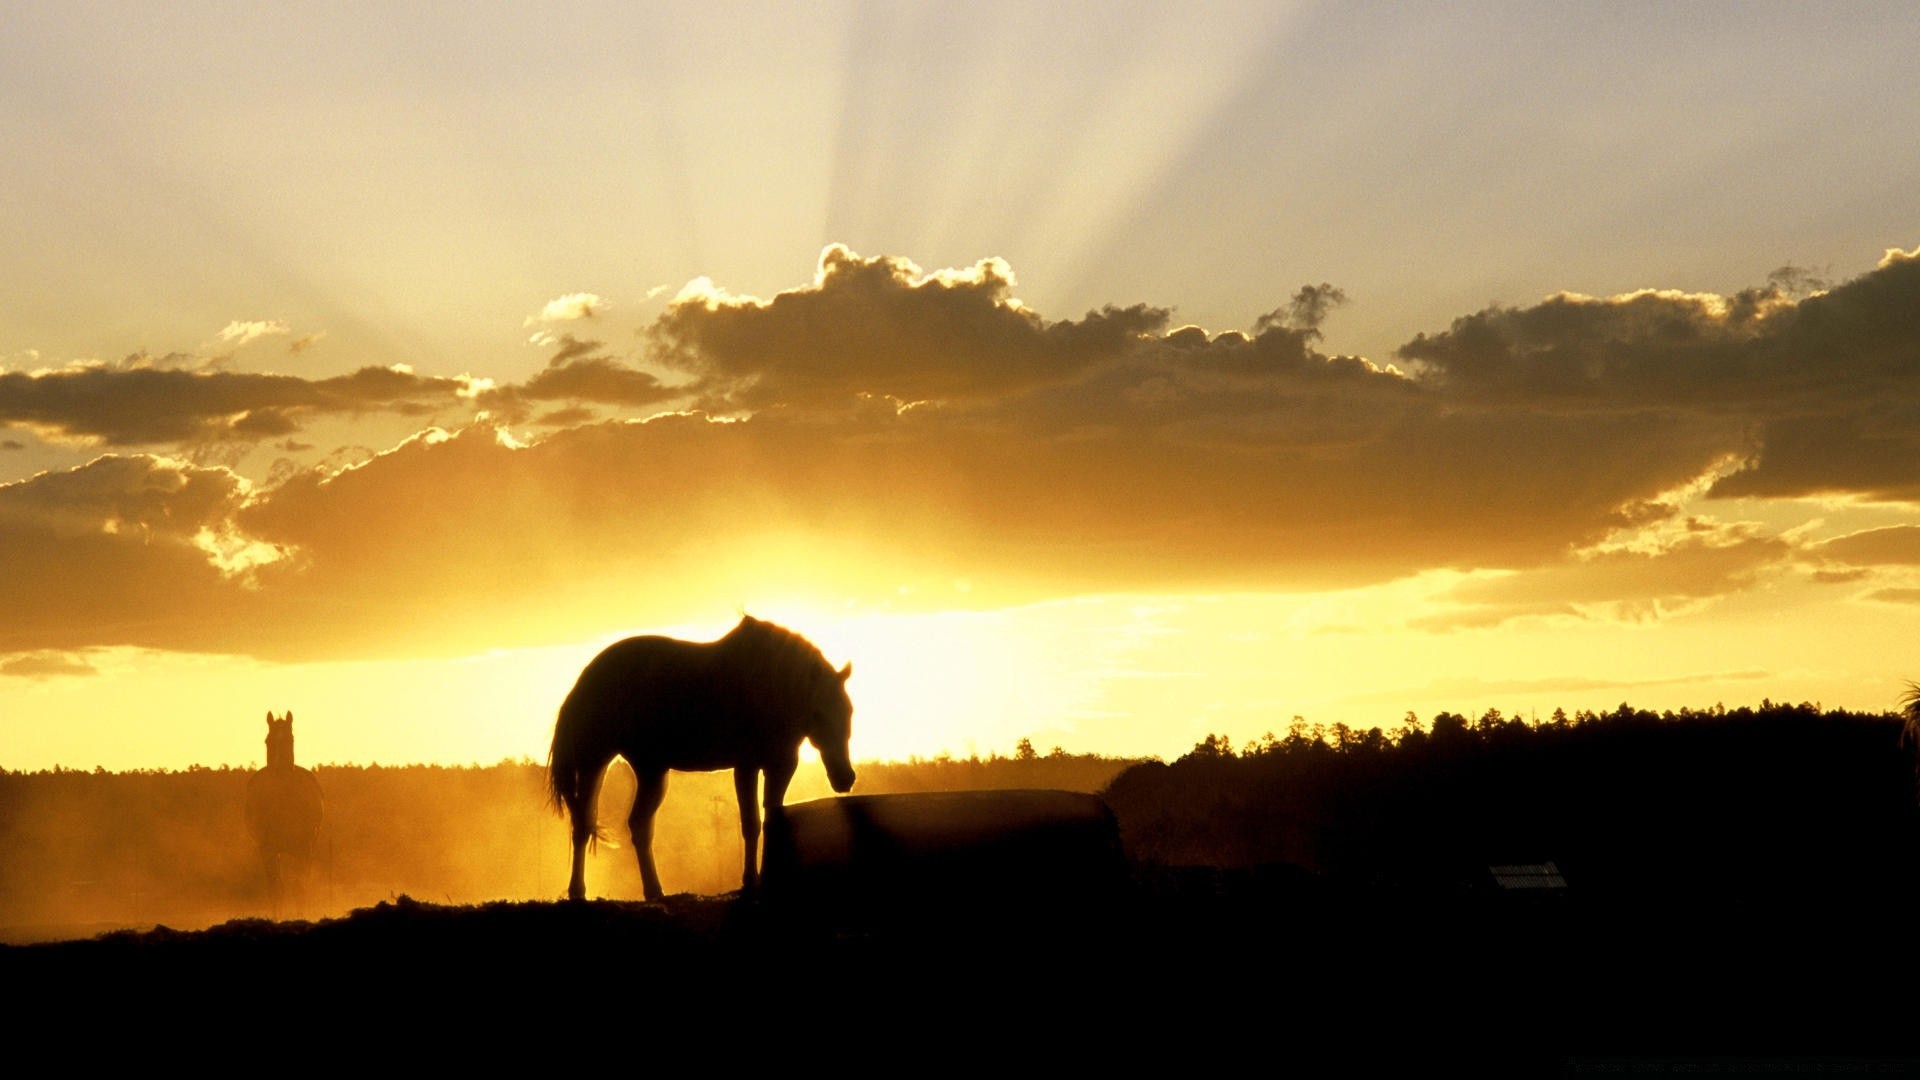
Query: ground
{"points": [[1182, 968]]}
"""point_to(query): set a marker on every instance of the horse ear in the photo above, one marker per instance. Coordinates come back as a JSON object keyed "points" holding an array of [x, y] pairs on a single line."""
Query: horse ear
{"points": [[846, 671], [289, 716]]}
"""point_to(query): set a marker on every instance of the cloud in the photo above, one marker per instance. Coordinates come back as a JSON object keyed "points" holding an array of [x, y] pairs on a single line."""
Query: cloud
{"points": [[1894, 545], [568, 416], [239, 333], [579, 371], [1470, 688], [885, 431], [306, 341], [580, 305], [1820, 395], [1623, 583], [1307, 311], [883, 327], [119, 550], [144, 403], [596, 378], [46, 665]]}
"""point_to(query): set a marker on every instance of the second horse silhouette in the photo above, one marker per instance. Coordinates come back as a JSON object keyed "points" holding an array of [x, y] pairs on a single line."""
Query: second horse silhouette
{"points": [[284, 811], [743, 702]]}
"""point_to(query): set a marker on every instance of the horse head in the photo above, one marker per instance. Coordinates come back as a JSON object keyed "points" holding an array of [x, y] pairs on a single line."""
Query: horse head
{"points": [[280, 739], [830, 727]]}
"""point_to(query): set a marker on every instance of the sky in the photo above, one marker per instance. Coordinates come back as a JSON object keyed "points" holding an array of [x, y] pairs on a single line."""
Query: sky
{"points": [[1105, 375]]}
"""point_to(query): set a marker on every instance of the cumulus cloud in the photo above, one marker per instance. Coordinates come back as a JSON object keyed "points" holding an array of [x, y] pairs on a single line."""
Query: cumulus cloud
{"points": [[1820, 394], [580, 305], [880, 326], [116, 552], [885, 427]]}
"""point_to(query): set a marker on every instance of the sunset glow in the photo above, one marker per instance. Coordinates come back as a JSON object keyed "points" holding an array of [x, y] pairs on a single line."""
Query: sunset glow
{"points": [[1079, 374]]}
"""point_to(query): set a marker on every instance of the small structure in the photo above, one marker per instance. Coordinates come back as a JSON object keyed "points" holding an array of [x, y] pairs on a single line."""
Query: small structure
{"points": [[874, 859]]}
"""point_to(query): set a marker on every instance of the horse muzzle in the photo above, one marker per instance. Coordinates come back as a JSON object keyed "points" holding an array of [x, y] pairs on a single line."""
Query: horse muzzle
{"points": [[840, 775]]}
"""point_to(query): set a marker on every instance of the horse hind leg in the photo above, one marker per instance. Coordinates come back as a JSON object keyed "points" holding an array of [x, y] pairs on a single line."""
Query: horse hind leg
{"points": [[582, 834], [582, 811], [652, 788]]}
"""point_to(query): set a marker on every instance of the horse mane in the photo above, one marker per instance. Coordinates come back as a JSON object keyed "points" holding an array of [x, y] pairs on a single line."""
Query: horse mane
{"points": [[793, 667]]}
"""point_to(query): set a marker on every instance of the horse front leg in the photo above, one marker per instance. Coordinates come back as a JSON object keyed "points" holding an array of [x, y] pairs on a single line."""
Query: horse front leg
{"points": [[582, 809], [779, 775], [745, 779], [646, 800]]}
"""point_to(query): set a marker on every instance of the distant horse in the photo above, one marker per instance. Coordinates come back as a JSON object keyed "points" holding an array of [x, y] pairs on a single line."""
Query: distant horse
{"points": [[284, 809], [743, 702]]}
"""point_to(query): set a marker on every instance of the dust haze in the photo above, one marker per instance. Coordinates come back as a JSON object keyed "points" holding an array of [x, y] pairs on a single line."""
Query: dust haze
{"points": [[86, 852]]}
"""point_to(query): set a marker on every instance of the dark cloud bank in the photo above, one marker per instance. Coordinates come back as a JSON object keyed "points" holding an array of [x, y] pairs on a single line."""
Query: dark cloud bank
{"points": [[885, 425]]}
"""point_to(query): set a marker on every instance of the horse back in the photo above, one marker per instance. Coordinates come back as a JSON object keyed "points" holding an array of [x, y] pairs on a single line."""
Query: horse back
{"points": [[661, 701]]}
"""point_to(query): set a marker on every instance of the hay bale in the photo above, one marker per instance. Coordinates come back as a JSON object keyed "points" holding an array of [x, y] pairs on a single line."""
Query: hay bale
{"points": [[891, 857]]}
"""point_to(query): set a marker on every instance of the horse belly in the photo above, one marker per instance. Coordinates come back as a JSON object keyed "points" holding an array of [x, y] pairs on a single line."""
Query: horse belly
{"points": [[689, 761], [684, 739]]}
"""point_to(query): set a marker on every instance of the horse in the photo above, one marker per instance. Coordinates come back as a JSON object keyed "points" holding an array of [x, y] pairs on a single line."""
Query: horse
{"points": [[743, 702], [284, 810]]}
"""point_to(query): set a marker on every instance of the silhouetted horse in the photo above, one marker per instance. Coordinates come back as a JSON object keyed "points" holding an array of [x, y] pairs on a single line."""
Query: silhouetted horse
{"points": [[284, 809], [743, 702]]}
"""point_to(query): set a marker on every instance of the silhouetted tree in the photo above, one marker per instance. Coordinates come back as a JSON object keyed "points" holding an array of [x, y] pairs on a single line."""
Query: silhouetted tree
{"points": [[1910, 716], [1216, 746]]}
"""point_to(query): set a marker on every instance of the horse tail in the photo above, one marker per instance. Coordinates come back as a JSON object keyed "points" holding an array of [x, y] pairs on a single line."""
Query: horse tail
{"points": [[573, 774]]}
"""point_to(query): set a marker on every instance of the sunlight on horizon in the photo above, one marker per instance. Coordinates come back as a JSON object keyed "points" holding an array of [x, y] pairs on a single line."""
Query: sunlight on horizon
{"points": [[1117, 675]]}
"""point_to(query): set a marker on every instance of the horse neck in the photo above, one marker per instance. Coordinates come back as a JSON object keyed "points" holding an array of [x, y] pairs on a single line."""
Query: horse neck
{"points": [[280, 753], [784, 666]]}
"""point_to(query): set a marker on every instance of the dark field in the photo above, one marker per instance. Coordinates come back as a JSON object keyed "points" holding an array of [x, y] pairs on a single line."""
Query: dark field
{"points": [[1739, 895], [1192, 968]]}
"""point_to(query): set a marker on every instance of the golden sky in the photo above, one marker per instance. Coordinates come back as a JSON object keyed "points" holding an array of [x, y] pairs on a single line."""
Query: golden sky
{"points": [[1085, 373]]}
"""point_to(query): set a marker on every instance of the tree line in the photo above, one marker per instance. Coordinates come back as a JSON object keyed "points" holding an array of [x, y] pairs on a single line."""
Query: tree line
{"points": [[1744, 801]]}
